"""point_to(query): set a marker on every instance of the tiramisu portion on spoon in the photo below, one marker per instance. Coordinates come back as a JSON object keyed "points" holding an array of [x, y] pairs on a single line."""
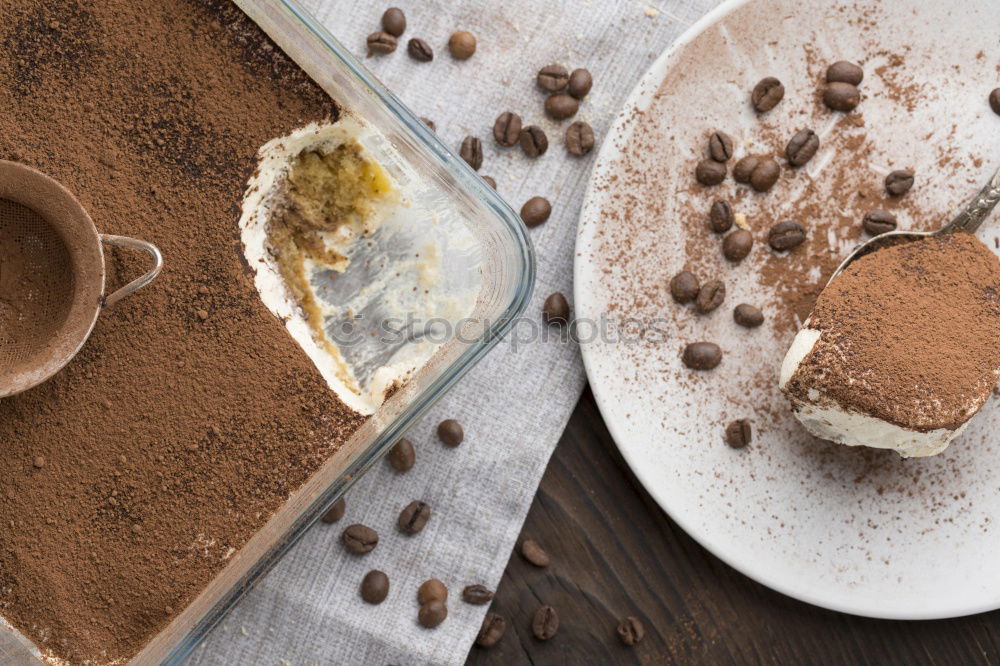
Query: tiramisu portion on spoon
{"points": [[902, 348]]}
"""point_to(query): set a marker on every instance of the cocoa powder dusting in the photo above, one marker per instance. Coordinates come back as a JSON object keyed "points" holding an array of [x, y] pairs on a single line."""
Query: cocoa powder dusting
{"points": [[190, 415]]}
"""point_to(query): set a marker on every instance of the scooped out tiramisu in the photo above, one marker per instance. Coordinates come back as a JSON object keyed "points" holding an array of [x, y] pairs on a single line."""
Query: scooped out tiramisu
{"points": [[902, 348]]}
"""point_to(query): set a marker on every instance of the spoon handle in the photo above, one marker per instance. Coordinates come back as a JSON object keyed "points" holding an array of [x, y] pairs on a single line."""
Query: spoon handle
{"points": [[976, 210]]}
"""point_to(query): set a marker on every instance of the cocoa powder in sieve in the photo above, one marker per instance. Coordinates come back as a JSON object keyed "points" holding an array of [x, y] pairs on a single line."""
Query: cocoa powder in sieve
{"points": [[173, 436]]}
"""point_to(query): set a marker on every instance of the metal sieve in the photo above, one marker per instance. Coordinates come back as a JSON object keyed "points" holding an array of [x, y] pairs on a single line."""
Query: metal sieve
{"points": [[52, 276]]}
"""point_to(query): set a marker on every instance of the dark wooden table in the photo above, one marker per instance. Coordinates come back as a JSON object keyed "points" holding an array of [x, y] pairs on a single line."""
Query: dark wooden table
{"points": [[615, 553]]}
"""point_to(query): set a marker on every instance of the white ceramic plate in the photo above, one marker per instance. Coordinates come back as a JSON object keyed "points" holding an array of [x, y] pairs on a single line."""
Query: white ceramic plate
{"points": [[854, 530]]}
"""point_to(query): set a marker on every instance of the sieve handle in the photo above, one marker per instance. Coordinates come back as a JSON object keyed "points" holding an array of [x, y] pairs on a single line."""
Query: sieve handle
{"points": [[139, 282]]}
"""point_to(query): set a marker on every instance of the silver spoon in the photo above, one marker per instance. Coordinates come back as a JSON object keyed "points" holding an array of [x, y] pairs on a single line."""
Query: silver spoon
{"points": [[973, 215]]}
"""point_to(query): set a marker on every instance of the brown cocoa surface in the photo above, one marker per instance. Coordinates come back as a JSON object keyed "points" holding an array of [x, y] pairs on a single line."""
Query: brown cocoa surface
{"points": [[191, 414]]}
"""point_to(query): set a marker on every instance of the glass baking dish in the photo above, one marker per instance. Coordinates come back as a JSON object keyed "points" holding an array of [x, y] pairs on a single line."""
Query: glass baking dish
{"points": [[505, 274]]}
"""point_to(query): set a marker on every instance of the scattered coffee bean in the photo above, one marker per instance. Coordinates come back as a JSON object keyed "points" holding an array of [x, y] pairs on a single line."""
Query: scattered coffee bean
{"points": [[472, 152], [420, 50], [720, 216], [786, 235], [402, 456], [413, 517], [432, 614], [375, 587], [709, 172], [561, 106], [701, 355], [533, 141], [766, 94], [462, 45], [684, 287], [336, 512], [765, 174], [535, 211], [748, 316], [995, 100], [492, 630], [555, 310], [841, 96], [739, 433], [360, 538], [802, 147], [531, 551], [844, 72], [879, 221], [580, 83], [545, 623], [552, 78], [899, 182], [579, 138], [710, 296], [432, 590], [737, 245], [394, 21], [631, 630], [381, 43], [477, 595], [720, 146], [450, 432], [489, 181], [744, 168], [429, 123], [507, 128]]}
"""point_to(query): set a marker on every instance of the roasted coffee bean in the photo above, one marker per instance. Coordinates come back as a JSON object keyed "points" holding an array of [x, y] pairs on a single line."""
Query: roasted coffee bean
{"points": [[462, 45], [737, 245], [748, 316], [709, 172], [899, 182], [432, 614], [535, 211], [477, 595], [765, 174], [492, 630], [375, 587], [561, 106], [545, 623], [739, 433], [720, 216], [701, 355], [360, 538], [489, 181], [420, 50], [555, 310], [841, 96], [786, 235], [684, 287], [381, 42], [394, 21], [710, 296], [766, 94], [531, 551], [552, 78], [533, 141], [580, 83], [402, 456], [413, 517], [336, 512], [472, 152], [844, 72], [450, 432], [744, 168], [720, 146], [631, 630], [432, 590], [995, 100], [802, 147], [579, 138], [507, 128], [879, 221], [429, 123]]}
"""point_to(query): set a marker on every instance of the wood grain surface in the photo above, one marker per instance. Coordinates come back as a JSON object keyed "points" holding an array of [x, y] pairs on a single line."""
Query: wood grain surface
{"points": [[615, 553]]}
